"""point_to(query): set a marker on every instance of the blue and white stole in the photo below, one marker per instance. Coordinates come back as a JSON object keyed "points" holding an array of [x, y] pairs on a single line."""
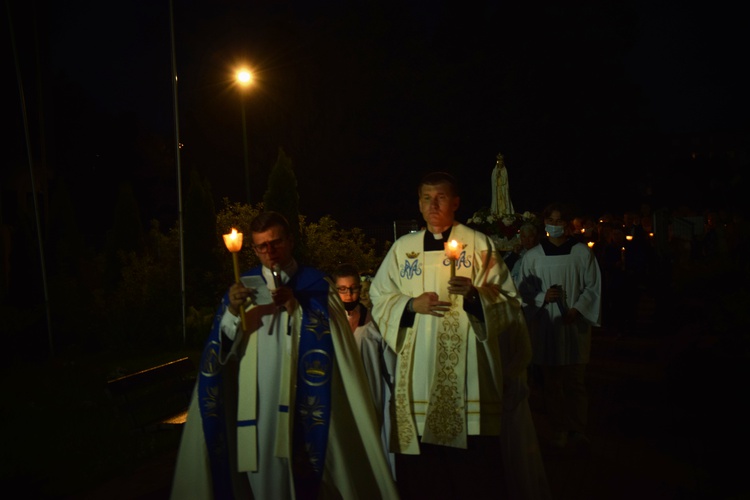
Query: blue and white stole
{"points": [[313, 398]]}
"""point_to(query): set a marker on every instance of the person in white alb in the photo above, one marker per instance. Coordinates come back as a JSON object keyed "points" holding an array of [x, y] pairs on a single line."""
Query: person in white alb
{"points": [[560, 282], [378, 359]]}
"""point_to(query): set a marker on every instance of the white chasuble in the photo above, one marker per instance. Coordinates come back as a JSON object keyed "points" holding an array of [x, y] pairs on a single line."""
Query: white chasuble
{"points": [[444, 364]]}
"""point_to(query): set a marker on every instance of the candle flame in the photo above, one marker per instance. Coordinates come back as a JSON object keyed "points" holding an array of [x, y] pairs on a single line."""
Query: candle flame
{"points": [[233, 241], [453, 249]]}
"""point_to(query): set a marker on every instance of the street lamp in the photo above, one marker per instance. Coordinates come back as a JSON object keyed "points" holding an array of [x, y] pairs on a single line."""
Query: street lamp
{"points": [[244, 80]]}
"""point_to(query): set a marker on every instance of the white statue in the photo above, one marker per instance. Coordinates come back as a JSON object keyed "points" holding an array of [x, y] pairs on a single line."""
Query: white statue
{"points": [[501, 203]]}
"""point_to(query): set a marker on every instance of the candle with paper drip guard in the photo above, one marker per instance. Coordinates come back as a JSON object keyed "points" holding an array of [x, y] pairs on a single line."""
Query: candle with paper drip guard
{"points": [[453, 251], [233, 242]]}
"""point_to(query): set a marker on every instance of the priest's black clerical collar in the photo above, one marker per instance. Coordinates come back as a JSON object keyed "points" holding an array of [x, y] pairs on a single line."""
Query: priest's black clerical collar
{"points": [[431, 243]]}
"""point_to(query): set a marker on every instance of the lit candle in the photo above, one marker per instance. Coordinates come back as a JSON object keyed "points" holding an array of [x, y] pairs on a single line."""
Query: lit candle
{"points": [[233, 241], [453, 251]]}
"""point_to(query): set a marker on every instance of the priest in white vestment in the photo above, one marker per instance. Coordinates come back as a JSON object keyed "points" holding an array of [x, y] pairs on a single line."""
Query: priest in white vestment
{"points": [[446, 332], [281, 408]]}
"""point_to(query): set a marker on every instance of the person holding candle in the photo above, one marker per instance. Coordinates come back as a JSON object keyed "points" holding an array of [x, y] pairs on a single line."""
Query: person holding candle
{"points": [[560, 282], [446, 331], [281, 408]]}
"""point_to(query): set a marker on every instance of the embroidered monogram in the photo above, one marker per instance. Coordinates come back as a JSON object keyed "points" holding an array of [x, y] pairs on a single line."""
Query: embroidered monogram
{"points": [[411, 269], [318, 324], [462, 261]]}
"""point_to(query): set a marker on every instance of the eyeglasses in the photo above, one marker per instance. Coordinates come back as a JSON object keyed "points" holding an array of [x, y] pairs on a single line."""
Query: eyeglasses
{"points": [[264, 247], [343, 290]]}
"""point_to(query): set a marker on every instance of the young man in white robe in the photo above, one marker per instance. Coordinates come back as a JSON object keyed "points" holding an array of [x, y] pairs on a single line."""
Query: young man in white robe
{"points": [[560, 282], [378, 359], [443, 316], [281, 408]]}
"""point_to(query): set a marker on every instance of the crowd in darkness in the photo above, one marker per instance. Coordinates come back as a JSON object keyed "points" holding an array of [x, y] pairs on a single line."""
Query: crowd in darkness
{"points": [[648, 254]]}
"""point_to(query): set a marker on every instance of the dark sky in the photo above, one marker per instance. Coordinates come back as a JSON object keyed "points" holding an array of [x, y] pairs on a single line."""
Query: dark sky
{"points": [[367, 98]]}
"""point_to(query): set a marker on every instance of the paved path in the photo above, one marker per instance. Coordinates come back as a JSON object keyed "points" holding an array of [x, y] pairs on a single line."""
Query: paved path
{"points": [[652, 430]]}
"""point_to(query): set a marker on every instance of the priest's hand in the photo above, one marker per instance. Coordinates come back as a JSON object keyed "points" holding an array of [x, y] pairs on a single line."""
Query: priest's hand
{"points": [[238, 295], [461, 285], [284, 297], [429, 303]]}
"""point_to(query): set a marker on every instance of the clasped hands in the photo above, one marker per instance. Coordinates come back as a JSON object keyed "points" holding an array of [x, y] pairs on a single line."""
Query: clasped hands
{"points": [[556, 293], [430, 303]]}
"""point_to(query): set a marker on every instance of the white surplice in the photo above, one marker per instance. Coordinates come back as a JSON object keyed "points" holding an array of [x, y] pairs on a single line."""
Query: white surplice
{"points": [[578, 273]]}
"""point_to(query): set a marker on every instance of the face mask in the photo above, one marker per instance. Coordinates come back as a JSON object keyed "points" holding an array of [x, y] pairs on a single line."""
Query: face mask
{"points": [[554, 231], [350, 306]]}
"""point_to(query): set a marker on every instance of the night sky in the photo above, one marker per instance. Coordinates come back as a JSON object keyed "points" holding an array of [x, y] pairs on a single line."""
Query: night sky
{"points": [[584, 102]]}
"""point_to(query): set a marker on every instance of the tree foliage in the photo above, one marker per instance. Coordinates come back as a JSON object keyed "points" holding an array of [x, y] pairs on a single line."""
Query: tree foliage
{"points": [[329, 246]]}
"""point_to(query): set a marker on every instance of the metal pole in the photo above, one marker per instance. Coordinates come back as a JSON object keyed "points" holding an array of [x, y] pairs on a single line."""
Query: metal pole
{"points": [[179, 176], [33, 182], [244, 145]]}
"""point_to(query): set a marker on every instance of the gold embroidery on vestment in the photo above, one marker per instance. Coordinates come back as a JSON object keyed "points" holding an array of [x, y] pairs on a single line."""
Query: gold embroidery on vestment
{"points": [[403, 411], [445, 414]]}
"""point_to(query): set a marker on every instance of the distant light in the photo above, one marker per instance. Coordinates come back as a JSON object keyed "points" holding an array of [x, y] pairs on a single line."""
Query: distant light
{"points": [[629, 237]]}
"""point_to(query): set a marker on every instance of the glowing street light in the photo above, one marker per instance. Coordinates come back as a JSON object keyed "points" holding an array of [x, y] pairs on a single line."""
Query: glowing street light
{"points": [[244, 79]]}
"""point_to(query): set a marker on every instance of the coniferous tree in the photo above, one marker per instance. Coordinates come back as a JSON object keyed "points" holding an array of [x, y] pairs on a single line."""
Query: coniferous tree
{"points": [[126, 235], [200, 238], [200, 223], [281, 196], [66, 239]]}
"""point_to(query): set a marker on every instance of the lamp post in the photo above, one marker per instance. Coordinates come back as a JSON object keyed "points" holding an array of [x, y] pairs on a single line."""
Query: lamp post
{"points": [[244, 80]]}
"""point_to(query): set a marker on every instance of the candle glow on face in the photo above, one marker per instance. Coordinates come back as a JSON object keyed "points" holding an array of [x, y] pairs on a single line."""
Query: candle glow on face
{"points": [[233, 241]]}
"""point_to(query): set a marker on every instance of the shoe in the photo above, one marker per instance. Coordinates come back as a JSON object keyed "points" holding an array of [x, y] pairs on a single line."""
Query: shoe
{"points": [[559, 440], [579, 438]]}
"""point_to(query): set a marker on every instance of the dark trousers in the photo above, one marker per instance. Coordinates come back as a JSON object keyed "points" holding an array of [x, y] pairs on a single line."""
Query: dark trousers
{"points": [[450, 473]]}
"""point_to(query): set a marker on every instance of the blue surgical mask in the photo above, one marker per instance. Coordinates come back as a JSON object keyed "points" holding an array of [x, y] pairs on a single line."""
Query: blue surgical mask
{"points": [[554, 231]]}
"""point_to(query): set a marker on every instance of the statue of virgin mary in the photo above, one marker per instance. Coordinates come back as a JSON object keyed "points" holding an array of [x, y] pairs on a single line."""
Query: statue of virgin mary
{"points": [[501, 203]]}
